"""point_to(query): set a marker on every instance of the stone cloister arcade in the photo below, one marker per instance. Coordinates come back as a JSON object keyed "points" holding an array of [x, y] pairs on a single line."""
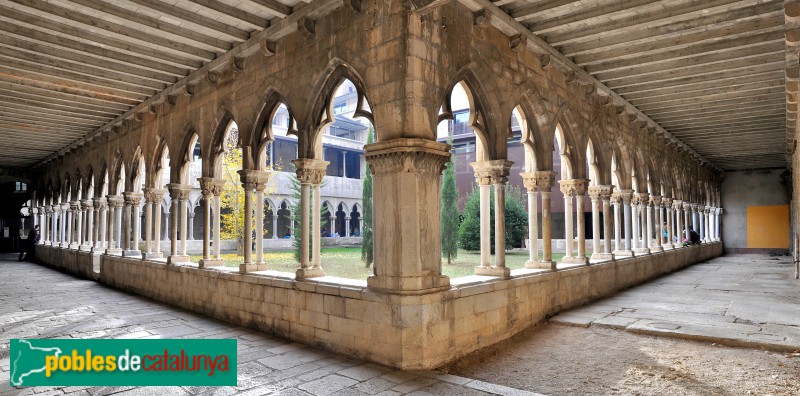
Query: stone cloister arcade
{"points": [[404, 65]]}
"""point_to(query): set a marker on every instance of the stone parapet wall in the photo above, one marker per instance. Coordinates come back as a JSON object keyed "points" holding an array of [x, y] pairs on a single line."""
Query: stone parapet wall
{"points": [[405, 331]]}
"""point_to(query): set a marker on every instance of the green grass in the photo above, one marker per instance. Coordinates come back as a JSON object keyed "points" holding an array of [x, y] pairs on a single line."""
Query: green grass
{"points": [[346, 262]]}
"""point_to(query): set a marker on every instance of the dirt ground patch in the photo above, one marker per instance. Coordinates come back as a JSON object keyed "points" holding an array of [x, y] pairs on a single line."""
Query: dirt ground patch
{"points": [[564, 360]]}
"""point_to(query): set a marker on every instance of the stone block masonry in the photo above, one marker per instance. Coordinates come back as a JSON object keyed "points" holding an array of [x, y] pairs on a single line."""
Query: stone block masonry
{"points": [[403, 331]]}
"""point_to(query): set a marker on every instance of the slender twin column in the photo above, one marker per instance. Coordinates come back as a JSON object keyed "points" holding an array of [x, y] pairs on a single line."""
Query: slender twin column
{"points": [[643, 234], [131, 222], [687, 218], [179, 195], [310, 173], [99, 205], [211, 189], [88, 220], [494, 173], [670, 242], [254, 181], [529, 180], [47, 227], [717, 235], [573, 190], [708, 227], [628, 205], [678, 213], [152, 244], [654, 225], [114, 204], [600, 197], [74, 224]]}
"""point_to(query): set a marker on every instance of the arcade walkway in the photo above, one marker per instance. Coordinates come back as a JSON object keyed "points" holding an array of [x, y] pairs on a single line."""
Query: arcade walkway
{"points": [[38, 302]]}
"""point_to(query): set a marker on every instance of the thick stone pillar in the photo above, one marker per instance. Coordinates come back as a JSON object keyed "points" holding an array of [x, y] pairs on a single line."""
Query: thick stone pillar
{"points": [[179, 194], [207, 188], [407, 174], [496, 174], [310, 174], [114, 203], [670, 220], [643, 200], [529, 180], [654, 224], [626, 197], [599, 196]]}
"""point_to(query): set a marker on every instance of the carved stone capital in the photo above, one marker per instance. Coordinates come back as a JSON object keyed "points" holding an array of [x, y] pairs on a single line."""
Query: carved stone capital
{"points": [[114, 201], [132, 198], [642, 198], [491, 172], [719, 211], [100, 203], [706, 209], [545, 180], [75, 206], [154, 195], [600, 192], [179, 191], [423, 157], [677, 204], [655, 200], [529, 180], [254, 179], [310, 171], [209, 184], [667, 202], [87, 204], [625, 195], [573, 187]]}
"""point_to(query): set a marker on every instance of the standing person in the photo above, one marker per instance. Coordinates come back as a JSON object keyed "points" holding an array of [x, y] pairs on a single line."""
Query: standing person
{"points": [[28, 251]]}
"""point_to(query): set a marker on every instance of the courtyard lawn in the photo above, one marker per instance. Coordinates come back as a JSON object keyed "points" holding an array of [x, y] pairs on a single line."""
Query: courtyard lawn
{"points": [[346, 262]]}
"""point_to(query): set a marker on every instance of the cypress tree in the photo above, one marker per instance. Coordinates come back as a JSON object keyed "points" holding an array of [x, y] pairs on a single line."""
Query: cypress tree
{"points": [[449, 210]]}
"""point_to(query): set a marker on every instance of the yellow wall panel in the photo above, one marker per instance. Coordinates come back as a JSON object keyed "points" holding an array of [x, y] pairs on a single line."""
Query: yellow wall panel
{"points": [[768, 227]]}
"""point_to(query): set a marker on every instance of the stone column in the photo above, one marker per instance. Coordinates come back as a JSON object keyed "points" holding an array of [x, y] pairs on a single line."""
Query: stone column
{"points": [[114, 202], [132, 235], [125, 241], [616, 200], [217, 189], [716, 225], [687, 209], [670, 242], [645, 231], [496, 174], [654, 224], [274, 223], [346, 227], [310, 173], [599, 196], [607, 222], [693, 211], [63, 219], [75, 225], [260, 187], [676, 208], [569, 198], [46, 227], [207, 187], [98, 204], [626, 196], [707, 224], [148, 222], [544, 184], [581, 220], [179, 194], [190, 227], [157, 196], [103, 233], [529, 180], [634, 222], [88, 209], [407, 173]]}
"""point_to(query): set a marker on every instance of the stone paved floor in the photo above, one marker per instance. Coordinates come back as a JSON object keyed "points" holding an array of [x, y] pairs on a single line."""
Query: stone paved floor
{"points": [[37, 302], [737, 300]]}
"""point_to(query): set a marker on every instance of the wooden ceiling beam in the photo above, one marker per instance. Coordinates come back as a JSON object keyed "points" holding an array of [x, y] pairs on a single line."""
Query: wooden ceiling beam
{"points": [[195, 18], [279, 9], [55, 98], [692, 81], [584, 14], [771, 79], [526, 11], [74, 80], [740, 93], [30, 80], [233, 12], [77, 110], [714, 104]]}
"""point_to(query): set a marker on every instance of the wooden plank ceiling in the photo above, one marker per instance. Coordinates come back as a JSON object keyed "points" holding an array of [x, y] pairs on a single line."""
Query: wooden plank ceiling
{"points": [[710, 72], [68, 68]]}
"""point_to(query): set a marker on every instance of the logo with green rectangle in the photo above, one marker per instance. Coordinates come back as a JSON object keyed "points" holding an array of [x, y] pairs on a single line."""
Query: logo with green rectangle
{"points": [[93, 362]]}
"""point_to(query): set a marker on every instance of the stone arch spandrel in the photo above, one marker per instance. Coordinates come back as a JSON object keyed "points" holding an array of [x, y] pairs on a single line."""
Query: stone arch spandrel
{"points": [[262, 134]]}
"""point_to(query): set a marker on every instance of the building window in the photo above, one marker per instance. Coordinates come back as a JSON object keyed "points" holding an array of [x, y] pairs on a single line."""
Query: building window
{"points": [[20, 186], [339, 108]]}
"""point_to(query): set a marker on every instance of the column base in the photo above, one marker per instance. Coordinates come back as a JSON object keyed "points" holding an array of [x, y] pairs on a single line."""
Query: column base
{"points": [[74, 246], [177, 259], [304, 273], [656, 248], [98, 250], [132, 253], [245, 268], [85, 248], [114, 252], [152, 255], [204, 263], [598, 257], [503, 272], [668, 246], [411, 285], [575, 260], [623, 253], [545, 265], [641, 251]]}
